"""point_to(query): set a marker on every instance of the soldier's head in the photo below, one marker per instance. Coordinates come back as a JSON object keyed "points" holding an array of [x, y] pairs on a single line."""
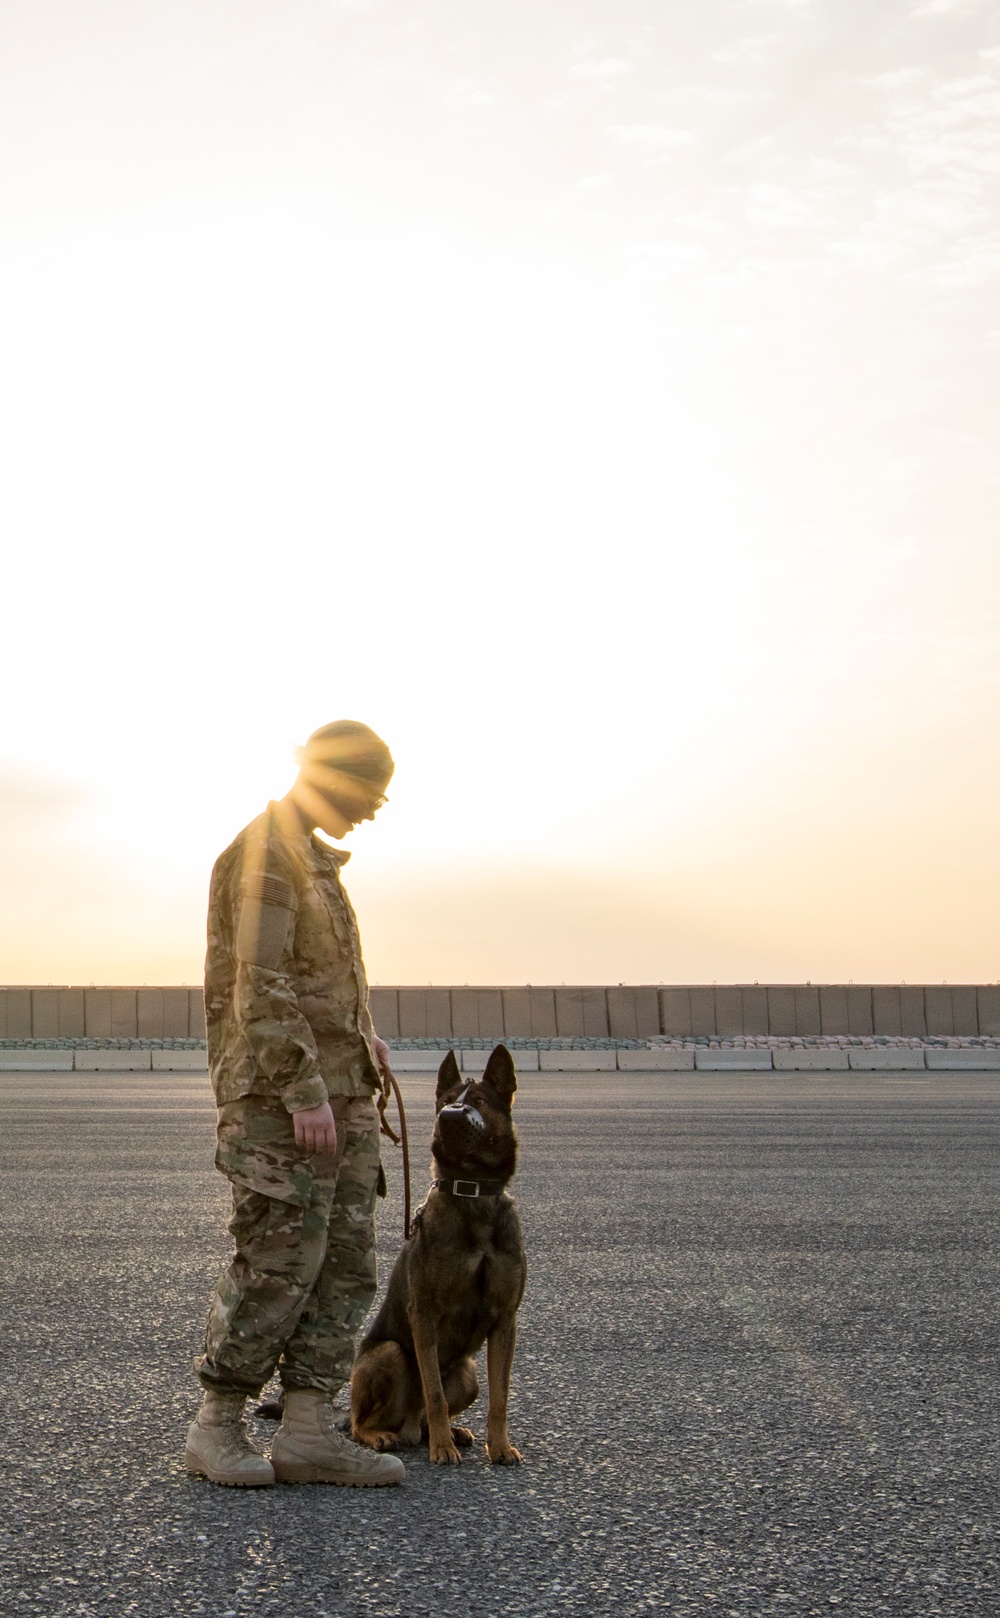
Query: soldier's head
{"points": [[344, 769]]}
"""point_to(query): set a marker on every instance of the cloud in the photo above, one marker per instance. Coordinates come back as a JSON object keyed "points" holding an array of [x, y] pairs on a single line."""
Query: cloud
{"points": [[899, 78], [26, 796], [608, 67], [655, 142], [590, 182], [469, 93], [942, 8], [777, 205]]}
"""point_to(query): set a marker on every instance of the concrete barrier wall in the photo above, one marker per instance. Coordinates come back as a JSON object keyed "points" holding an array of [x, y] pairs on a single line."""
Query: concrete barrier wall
{"points": [[564, 1012], [55, 1012]]}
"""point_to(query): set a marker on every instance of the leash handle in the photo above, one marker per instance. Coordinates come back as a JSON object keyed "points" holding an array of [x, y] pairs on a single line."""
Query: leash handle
{"points": [[402, 1140]]}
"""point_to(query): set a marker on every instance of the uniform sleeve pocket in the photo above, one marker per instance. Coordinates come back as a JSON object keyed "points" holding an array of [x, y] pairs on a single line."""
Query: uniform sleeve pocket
{"points": [[266, 911]]}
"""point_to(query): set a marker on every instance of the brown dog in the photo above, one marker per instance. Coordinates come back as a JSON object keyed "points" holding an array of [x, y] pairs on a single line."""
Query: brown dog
{"points": [[456, 1284]]}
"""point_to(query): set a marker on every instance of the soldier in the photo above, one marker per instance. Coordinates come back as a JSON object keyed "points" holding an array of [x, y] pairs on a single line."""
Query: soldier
{"points": [[295, 1064]]}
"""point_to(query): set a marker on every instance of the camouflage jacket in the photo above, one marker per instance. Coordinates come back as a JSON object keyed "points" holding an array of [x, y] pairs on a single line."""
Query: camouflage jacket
{"points": [[286, 997]]}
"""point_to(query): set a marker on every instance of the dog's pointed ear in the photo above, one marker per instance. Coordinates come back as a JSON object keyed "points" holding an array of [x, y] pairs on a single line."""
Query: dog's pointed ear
{"points": [[448, 1075], [500, 1076]]}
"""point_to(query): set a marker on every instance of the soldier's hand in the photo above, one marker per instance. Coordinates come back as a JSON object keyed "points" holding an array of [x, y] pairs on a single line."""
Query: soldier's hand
{"points": [[382, 1054], [315, 1130]]}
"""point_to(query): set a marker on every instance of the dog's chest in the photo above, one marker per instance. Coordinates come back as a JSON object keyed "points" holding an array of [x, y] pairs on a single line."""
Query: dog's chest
{"points": [[474, 1287], [477, 1269]]}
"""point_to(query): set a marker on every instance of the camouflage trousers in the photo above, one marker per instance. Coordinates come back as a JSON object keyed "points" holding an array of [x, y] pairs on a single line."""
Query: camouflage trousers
{"points": [[304, 1276]]}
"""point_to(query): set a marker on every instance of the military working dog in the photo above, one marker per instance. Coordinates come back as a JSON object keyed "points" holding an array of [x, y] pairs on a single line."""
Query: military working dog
{"points": [[456, 1285]]}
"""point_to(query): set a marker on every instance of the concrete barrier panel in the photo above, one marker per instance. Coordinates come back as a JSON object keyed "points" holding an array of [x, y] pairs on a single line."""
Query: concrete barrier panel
{"points": [[810, 1061], [178, 1061], [655, 1061], [964, 1010], [881, 1060], [149, 1013], [384, 1007], [577, 1061], [963, 1058], [28, 1061], [196, 1014], [112, 1061], [886, 1013], [45, 1013], [937, 1009], [71, 1014], [123, 1018], [755, 1020], [529, 1013], [97, 1013], [465, 1013], [702, 1003], [675, 1012], [728, 1011], [808, 1020], [912, 1017], [517, 1013], [476, 1014], [427, 1061], [633, 1013], [988, 1008], [833, 1009], [475, 1061], [15, 1014], [781, 1009], [748, 1061], [859, 1009], [424, 1013], [175, 1014], [961, 1061], [582, 1010]]}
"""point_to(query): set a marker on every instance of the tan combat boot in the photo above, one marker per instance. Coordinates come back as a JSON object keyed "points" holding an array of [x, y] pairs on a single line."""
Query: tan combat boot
{"points": [[218, 1447], [308, 1448]]}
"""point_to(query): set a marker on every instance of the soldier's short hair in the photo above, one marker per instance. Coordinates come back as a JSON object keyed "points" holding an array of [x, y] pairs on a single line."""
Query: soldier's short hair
{"points": [[347, 762]]}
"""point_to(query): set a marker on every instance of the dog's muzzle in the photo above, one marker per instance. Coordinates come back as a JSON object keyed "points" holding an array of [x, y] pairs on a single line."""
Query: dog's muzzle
{"points": [[462, 1125]]}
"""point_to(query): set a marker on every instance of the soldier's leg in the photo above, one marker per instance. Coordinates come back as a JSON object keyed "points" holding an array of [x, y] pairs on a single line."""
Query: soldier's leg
{"points": [[320, 1351], [280, 1247], [281, 1199]]}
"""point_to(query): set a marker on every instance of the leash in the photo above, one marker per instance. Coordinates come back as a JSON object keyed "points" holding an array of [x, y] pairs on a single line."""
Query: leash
{"points": [[401, 1139]]}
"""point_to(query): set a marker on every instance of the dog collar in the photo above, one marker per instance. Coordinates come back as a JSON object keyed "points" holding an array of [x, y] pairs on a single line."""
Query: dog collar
{"points": [[470, 1188]]}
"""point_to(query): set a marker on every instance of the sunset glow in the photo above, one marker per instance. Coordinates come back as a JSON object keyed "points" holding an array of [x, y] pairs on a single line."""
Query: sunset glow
{"points": [[599, 402]]}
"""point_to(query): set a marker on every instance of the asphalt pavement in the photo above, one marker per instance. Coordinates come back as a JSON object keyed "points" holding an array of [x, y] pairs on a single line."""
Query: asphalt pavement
{"points": [[757, 1370]]}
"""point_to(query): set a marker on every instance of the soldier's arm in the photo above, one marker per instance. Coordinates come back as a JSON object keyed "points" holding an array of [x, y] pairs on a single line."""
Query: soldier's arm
{"points": [[264, 909]]}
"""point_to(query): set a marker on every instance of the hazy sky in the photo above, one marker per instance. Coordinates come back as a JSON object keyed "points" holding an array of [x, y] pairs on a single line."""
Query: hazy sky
{"points": [[599, 397]]}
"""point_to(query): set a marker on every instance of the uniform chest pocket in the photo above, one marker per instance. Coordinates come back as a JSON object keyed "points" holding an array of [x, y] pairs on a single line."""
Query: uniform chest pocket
{"points": [[322, 916]]}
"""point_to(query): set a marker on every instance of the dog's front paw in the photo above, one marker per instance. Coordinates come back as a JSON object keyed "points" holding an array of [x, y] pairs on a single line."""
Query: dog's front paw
{"points": [[377, 1440], [271, 1409], [463, 1437], [444, 1453], [504, 1454]]}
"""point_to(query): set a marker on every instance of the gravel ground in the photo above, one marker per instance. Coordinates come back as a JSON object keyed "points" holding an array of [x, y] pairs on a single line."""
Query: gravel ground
{"points": [[757, 1368]]}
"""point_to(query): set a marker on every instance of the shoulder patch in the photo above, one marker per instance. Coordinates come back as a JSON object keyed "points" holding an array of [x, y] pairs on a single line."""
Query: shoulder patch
{"points": [[266, 906], [270, 890]]}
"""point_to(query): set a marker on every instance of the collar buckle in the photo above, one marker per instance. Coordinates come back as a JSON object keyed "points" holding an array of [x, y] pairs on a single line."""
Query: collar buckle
{"points": [[465, 1188]]}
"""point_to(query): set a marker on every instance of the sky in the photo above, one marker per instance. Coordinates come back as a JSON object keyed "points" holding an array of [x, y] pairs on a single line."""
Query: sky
{"points": [[597, 397]]}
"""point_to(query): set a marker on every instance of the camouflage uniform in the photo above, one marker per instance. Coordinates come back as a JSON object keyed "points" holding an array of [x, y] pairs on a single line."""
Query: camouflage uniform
{"points": [[286, 1000]]}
